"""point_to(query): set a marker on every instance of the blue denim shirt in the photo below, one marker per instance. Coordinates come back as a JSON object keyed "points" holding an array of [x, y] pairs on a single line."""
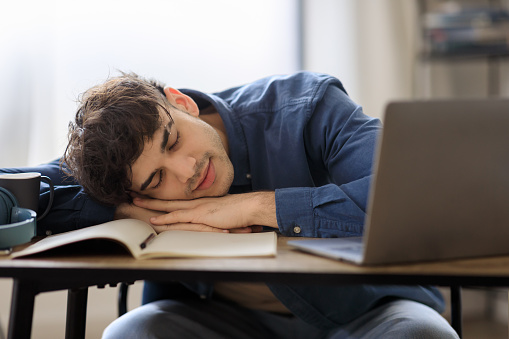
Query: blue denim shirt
{"points": [[302, 136]]}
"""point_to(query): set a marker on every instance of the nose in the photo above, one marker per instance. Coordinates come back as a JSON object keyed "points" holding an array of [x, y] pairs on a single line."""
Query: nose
{"points": [[184, 168]]}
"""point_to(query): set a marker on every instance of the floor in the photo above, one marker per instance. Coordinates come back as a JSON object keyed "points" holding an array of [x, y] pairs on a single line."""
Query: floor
{"points": [[484, 329], [485, 313]]}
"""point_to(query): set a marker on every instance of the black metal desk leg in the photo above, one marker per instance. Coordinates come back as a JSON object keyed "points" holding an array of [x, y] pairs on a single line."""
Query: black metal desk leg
{"points": [[76, 313], [22, 309], [456, 318]]}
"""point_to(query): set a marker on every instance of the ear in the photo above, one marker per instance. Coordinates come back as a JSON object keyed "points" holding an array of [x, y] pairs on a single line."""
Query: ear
{"points": [[181, 101]]}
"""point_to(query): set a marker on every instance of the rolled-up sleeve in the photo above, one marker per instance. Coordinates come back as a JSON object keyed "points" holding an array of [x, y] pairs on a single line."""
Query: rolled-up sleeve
{"points": [[340, 142]]}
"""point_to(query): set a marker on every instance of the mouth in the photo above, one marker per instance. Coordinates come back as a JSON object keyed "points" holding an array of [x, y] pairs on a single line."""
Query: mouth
{"points": [[208, 177]]}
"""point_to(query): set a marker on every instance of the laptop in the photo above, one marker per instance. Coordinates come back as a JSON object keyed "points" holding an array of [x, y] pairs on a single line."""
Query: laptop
{"points": [[440, 187]]}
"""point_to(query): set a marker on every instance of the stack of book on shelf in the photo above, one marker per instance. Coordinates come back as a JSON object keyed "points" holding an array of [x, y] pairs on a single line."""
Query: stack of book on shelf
{"points": [[467, 32]]}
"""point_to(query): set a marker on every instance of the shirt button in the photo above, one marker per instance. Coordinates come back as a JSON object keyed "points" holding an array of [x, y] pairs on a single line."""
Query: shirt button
{"points": [[48, 232], [248, 175], [296, 229]]}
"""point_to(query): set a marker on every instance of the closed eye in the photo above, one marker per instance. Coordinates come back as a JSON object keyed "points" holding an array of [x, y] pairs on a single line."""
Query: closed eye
{"points": [[177, 141], [160, 181], [161, 173]]}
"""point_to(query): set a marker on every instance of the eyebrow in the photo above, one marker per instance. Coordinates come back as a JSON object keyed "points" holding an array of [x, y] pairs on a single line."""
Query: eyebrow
{"points": [[148, 181], [166, 136], [164, 143]]}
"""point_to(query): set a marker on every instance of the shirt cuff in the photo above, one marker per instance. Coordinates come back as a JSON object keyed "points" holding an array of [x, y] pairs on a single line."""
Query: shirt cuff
{"points": [[294, 211]]}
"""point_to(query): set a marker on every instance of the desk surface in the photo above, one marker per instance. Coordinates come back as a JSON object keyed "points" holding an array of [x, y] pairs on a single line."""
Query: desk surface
{"points": [[288, 266]]}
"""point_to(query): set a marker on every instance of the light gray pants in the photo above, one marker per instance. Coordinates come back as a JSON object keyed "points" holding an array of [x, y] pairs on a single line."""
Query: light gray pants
{"points": [[212, 319]]}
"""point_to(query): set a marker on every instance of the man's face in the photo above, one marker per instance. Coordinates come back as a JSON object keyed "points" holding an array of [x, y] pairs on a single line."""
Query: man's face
{"points": [[185, 159]]}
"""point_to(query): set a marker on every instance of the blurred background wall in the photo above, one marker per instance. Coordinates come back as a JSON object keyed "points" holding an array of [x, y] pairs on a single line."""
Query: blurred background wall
{"points": [[53, 50]]}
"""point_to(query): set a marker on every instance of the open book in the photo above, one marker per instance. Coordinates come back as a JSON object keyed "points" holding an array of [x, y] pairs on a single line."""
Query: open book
{"points": [[143, 242]]}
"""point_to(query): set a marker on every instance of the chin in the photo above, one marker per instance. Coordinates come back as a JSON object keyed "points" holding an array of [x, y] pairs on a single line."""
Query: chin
{"points": [[216, 192], [219, 188]]}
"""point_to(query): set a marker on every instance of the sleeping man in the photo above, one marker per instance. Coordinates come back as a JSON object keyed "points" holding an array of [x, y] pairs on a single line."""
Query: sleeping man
{"points": [[289, 153]]}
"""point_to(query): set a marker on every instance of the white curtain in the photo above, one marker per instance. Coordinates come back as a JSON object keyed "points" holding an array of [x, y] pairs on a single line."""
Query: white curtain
{"points": [[51, 51]]}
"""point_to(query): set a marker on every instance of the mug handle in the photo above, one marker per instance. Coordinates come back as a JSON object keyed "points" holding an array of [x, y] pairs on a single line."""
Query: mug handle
{"points": [[51, 195]]}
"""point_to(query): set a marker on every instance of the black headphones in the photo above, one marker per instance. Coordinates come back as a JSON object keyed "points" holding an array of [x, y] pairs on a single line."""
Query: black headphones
{"points": [[17, 225]]}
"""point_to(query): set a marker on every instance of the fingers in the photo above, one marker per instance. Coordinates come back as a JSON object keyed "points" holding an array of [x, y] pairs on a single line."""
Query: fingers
{"points": [[163, 205], [204, 214], [256, 228], [188, 227], [177, 217], [249, 229], [204, 228], [241, 230], [153, 204]]}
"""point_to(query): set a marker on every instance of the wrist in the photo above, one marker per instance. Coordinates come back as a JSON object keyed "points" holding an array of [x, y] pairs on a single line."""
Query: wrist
{"points": [[122, 211], [264, 209]]}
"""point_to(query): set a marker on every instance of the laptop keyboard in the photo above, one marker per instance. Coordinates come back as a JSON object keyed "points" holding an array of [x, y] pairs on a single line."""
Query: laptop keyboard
{"points": [[353, 245], [357, 248]]}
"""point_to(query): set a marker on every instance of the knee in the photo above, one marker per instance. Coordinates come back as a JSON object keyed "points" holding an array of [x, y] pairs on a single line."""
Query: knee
{"points": [[422, 323], [412, 329], [143, 322]]}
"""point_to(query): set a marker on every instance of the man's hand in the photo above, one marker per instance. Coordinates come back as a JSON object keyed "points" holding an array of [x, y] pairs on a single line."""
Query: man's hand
{"points": [[125, 211], [232, 213]]}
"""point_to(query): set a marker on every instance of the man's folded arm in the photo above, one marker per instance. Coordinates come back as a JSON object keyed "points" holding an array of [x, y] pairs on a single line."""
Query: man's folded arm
{"points": [[72, 208]]}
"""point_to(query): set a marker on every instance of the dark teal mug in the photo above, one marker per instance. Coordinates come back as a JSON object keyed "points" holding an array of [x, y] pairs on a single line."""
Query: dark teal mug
{"points": [[26, 187]]}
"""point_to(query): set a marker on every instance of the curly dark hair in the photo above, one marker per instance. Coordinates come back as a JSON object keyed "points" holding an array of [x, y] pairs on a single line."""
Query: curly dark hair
{"points": [[112, 124]]}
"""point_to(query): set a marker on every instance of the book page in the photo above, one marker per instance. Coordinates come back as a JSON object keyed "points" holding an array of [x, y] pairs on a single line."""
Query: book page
{"points": [[210, 244], [129, 232]]}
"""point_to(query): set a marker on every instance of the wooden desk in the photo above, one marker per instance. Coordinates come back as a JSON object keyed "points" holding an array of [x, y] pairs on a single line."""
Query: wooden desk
{"points": [[77, 273]]}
